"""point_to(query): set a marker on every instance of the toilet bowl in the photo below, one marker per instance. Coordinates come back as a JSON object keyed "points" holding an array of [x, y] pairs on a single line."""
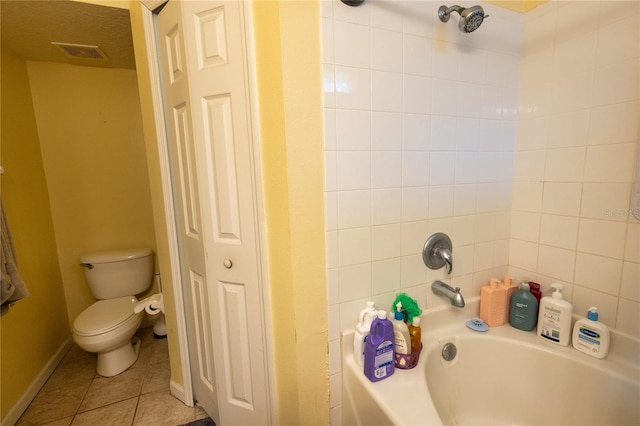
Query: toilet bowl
{"points": [[107, 328]]}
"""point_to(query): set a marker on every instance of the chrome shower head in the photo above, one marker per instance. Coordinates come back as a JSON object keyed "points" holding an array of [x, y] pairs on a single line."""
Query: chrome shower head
{"points": [[470, 17]]}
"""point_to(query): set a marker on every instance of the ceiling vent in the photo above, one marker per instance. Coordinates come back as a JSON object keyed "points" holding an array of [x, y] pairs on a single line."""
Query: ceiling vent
{"points": [[81, 51]]}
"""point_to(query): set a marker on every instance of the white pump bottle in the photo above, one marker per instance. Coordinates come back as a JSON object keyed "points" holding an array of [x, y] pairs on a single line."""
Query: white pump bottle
{"points": [[554, 318], [367, 315]]}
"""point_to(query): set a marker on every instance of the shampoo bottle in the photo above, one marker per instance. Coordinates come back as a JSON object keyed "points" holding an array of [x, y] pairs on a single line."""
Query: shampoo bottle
{"points": [[493, 303], [510, 288], [379, 351], [367, 315], [523, 311], [416, 335], [401, 332], [591, 336], [554, 318]]}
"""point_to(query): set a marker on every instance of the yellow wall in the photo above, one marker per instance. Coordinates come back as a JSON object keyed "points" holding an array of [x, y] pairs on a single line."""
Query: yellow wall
{"points": [[36, 327], [518, 5], [93, 153], [291, 143]]}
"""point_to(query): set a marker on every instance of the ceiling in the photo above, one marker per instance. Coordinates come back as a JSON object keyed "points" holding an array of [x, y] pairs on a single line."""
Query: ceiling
{"points": [[28, 27]]}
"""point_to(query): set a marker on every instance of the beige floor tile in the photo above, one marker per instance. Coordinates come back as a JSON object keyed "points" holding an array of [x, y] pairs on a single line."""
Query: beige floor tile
{"points": [[121, 414], [54, 404], [107, 390], [73, 368], [157, 378], [160, 408]]}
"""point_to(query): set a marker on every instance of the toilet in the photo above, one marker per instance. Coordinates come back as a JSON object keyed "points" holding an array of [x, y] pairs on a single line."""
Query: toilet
{"points": [[107, 327]]}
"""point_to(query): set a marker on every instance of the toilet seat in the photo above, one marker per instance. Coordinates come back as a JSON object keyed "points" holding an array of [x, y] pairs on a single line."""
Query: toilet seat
{"points": [[104, 316]]}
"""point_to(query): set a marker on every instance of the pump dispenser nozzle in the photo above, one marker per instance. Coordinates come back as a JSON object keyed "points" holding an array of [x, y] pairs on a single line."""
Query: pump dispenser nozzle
{"points": [[557, 294]]}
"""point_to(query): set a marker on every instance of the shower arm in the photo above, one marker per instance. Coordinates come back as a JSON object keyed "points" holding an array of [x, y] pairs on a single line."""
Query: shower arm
{"points": [[444, 13]]}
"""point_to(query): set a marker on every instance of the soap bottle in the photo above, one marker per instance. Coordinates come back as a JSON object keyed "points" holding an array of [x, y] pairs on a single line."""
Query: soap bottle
{"points": [[416, 334], [554, 318], [367, 315], [379, 351], [401, 332], [523, 310], [493, 303], [510, 288], [591, 336]]}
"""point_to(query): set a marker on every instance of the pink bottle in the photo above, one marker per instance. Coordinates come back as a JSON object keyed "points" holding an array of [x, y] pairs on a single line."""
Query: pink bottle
{"points": [[493, 302], [511, 288], [379, 353]]}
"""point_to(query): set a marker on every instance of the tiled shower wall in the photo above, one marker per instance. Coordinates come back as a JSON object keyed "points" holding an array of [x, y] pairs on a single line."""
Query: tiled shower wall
{"points": [[517, 140], [576, 155], [420, 135]]}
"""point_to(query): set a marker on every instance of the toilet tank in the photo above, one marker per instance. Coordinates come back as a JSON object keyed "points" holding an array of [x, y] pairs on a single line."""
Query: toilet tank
{"points": [[118, 273]]}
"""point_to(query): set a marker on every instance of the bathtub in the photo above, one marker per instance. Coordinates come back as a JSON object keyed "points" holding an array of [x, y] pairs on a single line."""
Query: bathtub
{"points": [[500, 377]]}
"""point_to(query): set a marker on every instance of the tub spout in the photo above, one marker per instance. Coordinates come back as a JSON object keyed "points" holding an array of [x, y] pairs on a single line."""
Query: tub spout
{"points": [[453, 294]]}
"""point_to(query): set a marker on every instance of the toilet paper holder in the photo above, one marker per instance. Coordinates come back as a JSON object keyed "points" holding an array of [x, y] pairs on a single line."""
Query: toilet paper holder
{"points": [[152, 305]]}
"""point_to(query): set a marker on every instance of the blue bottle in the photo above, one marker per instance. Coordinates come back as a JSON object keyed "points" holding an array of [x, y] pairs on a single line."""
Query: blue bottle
{"points": [[379, 353]]}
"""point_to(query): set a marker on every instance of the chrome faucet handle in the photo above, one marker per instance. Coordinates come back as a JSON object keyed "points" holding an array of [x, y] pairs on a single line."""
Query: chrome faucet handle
{"points": [[437, 252]]}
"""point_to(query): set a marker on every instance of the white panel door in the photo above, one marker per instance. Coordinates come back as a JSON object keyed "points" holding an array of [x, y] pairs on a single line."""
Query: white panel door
{"points": [[207, 105]]}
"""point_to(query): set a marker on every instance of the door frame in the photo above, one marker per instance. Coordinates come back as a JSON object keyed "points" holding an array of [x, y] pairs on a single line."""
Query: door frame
{"points": [[185, 392]]}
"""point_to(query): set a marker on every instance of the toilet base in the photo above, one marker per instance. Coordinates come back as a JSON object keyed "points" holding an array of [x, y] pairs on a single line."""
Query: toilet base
{"points": [[118, 360]]}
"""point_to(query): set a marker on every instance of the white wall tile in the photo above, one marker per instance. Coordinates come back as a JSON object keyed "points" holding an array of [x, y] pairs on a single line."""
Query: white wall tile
{"points": [[628, 319], [565, 164], [568, 129], [610, 49], [385, 276], [632, 245], [354, 246], [417, 53], [386, 52], [610, 163], [386, 169], [416, 94], [355, 282], [598, 273], [386, 14], [556, 262], [630, 287], [442, 168], [606, 201], [414, 235], [416, 130], [616, 83], [352, 88], [386, 206], [559, 231], [562, 198], [602, 237], [386, 130], [607, 304], [440, 201], [385, 241], [525, 225], [356, 53], [386, 91], [353, 170], [415, 168], [415, 203], [613, 123], [354, 209], [353, 130]]}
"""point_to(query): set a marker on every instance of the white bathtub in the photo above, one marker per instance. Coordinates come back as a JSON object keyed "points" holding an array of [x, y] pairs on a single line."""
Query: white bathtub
{"points": [[500, 377]]}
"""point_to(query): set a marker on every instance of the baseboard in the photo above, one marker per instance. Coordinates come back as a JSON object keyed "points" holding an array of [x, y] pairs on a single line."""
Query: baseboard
{"points": [[16, 411], [177, 390]]}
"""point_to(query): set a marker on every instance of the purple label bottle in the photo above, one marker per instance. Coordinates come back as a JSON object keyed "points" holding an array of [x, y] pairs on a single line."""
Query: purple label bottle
{"points": [[379, 351]]}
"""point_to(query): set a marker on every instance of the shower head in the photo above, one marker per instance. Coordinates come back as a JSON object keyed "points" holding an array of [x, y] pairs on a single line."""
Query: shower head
{"points": [[470, 17]]}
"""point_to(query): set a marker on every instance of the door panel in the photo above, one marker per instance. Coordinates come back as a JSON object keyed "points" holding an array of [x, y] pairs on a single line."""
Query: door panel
{"points": [[207, 91]]}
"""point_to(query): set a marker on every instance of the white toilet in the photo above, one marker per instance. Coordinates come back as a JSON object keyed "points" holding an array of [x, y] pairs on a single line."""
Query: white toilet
{"points": [[107, 327]]}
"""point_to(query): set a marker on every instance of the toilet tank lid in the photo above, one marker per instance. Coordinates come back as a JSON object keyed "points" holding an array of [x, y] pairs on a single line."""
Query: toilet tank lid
{"points": [[115, 255]]}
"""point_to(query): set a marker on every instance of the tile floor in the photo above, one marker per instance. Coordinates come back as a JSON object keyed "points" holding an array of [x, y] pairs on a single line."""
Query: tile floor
{"points": [[76, 395]]}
